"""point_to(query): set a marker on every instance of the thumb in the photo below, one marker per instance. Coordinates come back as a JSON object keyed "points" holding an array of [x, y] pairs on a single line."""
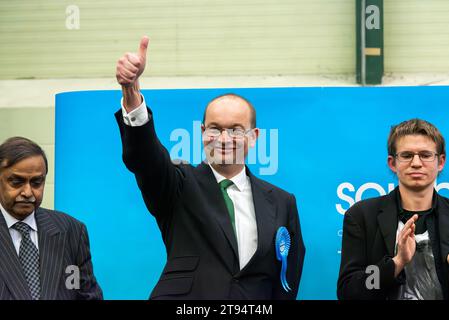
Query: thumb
{"points": [[143, 47]]}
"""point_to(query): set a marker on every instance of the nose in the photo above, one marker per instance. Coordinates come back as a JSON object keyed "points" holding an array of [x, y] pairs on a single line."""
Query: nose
{"points": [[26, 192], [416, 161], [224, 137]]}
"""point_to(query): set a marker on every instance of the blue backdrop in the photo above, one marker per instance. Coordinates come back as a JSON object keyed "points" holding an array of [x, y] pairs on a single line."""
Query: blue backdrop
{"points": [[325, 145]]}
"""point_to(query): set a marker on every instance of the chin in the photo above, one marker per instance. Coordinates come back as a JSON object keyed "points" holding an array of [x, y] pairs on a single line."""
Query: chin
{"points": [[418, 186], [23, 213], [20, 215]]}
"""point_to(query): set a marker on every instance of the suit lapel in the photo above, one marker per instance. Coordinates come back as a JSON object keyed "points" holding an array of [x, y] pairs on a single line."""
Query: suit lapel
{"points": [[263, 206], [51, 249], [211, 188], [443, 226], [388, 221], [10, 267], [265, 218]]}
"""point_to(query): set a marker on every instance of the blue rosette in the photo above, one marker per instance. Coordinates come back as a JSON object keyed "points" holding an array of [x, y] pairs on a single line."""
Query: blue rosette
{"points": [[282, 245]]}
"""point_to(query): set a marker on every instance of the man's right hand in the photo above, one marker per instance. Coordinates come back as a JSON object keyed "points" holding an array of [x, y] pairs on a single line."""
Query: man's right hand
{"points": [[406, 245], [129, 68]]}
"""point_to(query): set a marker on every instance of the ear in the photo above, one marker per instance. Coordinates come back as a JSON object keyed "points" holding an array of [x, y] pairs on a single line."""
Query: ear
{"points": [[441, 162], [203, 136], [392, 163], [253, 137]]}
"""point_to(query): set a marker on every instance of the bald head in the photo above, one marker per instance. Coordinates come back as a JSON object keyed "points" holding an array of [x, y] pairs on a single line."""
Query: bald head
{"points": [[233, 103]]}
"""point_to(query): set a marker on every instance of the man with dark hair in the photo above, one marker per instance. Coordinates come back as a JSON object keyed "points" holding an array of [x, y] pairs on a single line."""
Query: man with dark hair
{"points": [[44, 254], [228, 234], [397, 246]]}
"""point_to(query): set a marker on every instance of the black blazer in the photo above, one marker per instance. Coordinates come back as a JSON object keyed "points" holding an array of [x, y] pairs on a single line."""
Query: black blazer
{"points": [[369, 236], [202, 260], [63, 241]]}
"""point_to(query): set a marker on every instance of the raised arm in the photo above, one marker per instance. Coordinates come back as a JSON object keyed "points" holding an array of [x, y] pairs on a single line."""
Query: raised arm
{"points": [[143, 154]]}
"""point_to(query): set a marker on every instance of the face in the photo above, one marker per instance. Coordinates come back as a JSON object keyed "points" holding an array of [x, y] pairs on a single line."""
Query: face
{"points": [[230, 113], [416, 174], [22, 186]]}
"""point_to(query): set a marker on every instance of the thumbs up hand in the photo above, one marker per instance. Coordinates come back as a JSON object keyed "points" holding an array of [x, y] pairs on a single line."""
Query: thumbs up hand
{"points": [[131, 65], [129, 68]]}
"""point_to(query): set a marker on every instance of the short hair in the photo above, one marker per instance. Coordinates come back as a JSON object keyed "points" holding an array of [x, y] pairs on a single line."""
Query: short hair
{"points": [[415, 127], [16, 149], [250, 105]]}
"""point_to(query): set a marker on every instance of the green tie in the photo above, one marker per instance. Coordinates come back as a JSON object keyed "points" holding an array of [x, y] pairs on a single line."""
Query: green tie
{"points": [[228, 201]]}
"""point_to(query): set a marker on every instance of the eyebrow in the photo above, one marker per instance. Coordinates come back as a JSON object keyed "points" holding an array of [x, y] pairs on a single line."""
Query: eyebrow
{"points": [[417, 151], [16, 176], [233, 125]]}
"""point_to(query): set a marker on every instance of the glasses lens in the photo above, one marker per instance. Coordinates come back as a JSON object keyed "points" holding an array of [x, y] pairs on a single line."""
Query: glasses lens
{"points": [[213, 132], [427, 156], [405, 156], [237, 133]]}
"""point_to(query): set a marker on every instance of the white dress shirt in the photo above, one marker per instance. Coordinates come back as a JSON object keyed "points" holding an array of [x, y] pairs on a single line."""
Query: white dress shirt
{"points": [[15, 235], [245, 215], [240, 193]]}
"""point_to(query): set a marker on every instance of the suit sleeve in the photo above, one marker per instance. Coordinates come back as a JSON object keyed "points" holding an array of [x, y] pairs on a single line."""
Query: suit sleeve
{"points": [[157, 177], [295, 258], [444, 239], [352, 280], [89, 288]]}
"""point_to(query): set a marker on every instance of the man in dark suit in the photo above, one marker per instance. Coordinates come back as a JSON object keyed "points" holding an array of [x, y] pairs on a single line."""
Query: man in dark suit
{"points": [[44, 254], [397, 246], [218, 221]]}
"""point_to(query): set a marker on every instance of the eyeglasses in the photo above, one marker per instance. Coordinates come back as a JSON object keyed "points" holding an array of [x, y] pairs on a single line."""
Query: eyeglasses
{"points": [[232, 132], [408, 156]]}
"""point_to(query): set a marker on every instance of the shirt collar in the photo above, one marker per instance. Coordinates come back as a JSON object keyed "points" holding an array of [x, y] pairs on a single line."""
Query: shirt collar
{"points": [[10, 220], [240, 180]]}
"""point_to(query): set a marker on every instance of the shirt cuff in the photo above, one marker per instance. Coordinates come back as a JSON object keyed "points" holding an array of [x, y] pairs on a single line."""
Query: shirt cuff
{"points": [[137, 117]]}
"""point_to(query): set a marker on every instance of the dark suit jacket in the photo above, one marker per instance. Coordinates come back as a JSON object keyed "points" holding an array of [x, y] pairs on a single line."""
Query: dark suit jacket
{"points": [[202, 259], [369, 237], [63, 241]]}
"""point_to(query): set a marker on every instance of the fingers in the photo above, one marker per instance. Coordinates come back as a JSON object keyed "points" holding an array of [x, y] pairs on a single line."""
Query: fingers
{"points": [[130, 64], [133, 59], [409, 229], [124, 80], [127, 71], [143, 47], [413, 228], [411, 221], [409, 225], [404, 235]]}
